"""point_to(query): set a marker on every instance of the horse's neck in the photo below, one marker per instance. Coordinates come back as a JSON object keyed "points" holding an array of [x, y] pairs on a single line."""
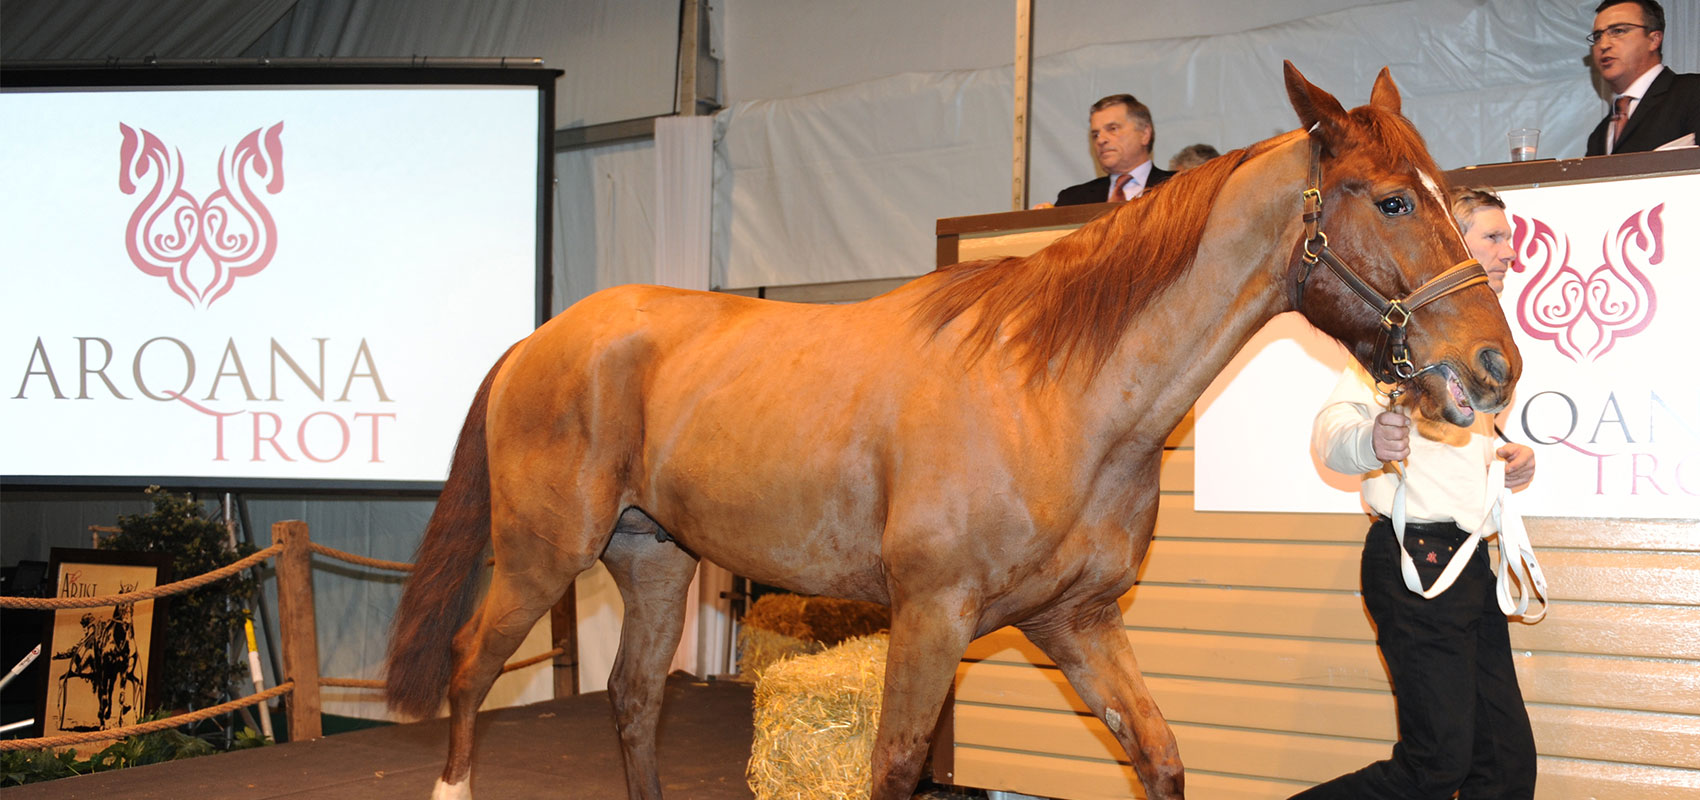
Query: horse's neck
{"points": [[1184, 339]]}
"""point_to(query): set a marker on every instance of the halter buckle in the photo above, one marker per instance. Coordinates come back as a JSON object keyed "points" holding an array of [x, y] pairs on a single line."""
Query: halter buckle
{"points": [[1400, 360], [1387, 316], [1310, 257]]}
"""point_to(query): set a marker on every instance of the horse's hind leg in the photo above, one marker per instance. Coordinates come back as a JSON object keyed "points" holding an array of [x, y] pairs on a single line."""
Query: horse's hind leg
{"points": [[654, 577], [530, 575], [1092, 650]]}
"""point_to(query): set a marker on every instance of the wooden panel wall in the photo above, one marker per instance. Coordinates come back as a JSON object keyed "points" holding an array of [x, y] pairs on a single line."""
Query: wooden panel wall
{"points": [[1254, 640]]}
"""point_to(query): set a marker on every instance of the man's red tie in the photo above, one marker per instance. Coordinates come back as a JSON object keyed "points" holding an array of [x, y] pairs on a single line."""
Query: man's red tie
{"points": [[1619, 117], [1121, 186]]}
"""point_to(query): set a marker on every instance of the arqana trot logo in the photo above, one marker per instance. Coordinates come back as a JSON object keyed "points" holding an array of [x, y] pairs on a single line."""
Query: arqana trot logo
{"points": [[201, 247], [1585, 315]]}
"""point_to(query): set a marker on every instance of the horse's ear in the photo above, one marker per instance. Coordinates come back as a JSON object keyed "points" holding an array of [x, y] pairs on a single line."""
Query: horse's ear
{"points": [[1385, 95], [1314, 106]]}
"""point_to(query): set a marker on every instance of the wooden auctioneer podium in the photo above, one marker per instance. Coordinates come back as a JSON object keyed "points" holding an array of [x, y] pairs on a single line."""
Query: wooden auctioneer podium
{"points": [[1253, 639]]}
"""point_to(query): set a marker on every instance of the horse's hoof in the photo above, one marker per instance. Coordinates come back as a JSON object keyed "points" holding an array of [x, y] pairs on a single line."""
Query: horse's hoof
{"points": [[453, 791]]}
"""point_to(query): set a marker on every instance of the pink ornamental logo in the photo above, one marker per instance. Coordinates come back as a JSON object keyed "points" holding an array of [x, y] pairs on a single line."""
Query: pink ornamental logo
{"points": [[201, 247], [1584, 316]]}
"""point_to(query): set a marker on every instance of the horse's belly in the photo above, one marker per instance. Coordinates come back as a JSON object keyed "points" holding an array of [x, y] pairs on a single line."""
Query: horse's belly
{"points": [[785, 545], [775, 472]]}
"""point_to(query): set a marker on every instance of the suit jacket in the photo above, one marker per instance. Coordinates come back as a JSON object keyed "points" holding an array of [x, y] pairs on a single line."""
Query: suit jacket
{"points": [[1670, 109], [1095, 190]]}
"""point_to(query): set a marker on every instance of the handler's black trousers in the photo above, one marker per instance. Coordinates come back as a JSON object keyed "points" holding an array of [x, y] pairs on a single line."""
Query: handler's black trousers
{"points": [[1462, 725]]}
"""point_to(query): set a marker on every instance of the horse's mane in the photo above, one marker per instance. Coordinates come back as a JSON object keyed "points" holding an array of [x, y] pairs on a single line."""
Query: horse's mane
{"points": [[1072, 301]]}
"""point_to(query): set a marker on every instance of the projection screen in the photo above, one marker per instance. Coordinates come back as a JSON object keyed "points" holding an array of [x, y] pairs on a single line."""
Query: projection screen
{"points": [[263, 277]]}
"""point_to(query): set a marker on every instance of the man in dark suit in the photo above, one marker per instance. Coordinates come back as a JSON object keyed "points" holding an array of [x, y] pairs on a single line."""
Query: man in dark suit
{"points": [[1651, 105], [1121, 140]]}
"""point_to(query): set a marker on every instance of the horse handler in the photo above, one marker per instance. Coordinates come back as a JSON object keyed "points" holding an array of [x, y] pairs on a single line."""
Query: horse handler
{"points": [[1462, 724]]}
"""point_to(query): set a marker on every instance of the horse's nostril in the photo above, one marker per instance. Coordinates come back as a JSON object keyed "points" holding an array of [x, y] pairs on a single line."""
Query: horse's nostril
{"points": [[1494, 363]]}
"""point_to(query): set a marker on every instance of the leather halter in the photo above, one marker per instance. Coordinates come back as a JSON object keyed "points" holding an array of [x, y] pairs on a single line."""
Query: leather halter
{"points": [[1392, 362]]}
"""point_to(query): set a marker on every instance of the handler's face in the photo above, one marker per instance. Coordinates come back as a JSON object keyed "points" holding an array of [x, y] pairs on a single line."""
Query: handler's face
{"points": [[1488, 235]]}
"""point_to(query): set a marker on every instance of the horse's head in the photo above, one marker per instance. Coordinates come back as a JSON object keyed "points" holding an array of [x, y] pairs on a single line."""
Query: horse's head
{"points": [[1383, 267]]}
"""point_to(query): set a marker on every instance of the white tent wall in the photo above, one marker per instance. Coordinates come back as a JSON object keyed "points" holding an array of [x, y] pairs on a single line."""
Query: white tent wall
{"points": [[604, 219], [620, 56], [843, 184], [782, 48], [99, 29]]}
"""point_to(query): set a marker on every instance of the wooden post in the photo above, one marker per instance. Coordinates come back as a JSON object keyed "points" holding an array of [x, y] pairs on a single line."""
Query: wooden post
{"points": [[563, 631], [300, 630], [1023, 84], [685, 104]]}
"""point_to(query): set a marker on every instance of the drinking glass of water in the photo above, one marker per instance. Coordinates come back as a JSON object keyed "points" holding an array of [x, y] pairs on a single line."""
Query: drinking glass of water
{"points": [[1523, 143]]}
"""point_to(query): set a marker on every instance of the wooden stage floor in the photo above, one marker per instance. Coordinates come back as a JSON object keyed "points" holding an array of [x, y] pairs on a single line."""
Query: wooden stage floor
{"points": [[556, 749]]}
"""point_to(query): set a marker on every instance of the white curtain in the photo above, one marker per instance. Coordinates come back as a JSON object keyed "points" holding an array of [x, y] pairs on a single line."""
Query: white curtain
{"points": [[684, 166], [604, 219], [684, 198], [845, 184], [99, 29], [619, 57]]}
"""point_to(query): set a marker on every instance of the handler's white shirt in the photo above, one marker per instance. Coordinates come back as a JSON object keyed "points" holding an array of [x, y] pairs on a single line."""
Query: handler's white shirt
{"points": [[1445, 481]]}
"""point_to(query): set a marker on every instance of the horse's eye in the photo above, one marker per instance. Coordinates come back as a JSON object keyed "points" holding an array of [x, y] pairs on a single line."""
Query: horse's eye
{"points": [[1394, 206]]}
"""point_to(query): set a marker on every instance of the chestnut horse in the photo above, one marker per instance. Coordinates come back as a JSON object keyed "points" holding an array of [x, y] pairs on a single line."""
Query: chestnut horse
{"points": [[977, 448]]}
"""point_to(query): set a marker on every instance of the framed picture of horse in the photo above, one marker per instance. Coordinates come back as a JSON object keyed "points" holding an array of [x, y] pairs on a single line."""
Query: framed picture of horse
{"points": [[100, 660]]}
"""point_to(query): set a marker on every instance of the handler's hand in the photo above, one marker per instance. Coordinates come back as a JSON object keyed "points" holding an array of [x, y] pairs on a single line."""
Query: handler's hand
{"points": [[1391, 436], [1519, 465]]}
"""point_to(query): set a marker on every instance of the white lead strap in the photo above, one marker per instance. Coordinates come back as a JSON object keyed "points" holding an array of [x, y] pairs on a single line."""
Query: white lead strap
{"points": [[1516, 554]]}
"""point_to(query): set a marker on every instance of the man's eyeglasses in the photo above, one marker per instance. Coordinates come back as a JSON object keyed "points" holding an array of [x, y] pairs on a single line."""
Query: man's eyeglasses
{"points": [[1617, 31]]}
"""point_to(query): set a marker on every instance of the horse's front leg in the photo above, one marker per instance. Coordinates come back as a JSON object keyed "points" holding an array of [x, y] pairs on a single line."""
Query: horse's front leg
{"points": [[928, 636], [1092, 650]]}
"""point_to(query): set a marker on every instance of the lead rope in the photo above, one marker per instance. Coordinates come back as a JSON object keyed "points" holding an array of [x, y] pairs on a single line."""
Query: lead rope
{"points": [[1516, 553]]}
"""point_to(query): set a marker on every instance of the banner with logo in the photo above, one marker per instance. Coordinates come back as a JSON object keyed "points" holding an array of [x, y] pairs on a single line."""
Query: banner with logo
{"points": [[1603, 306], [239, 285]]}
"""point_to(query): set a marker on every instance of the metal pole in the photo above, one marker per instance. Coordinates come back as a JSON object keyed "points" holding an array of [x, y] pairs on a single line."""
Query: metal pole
{"points": [[260, 607]]}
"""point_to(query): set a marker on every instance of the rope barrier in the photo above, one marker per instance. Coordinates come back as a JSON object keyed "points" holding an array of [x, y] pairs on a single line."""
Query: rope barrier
{"points": [[352, 683], [189, 584], [361, 683], [178, 587], [343, 555], [536, 659], [146, 727]]}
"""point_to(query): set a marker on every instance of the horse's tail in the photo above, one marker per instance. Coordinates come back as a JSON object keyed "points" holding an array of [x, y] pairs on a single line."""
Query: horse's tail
{"points": [[438, 596]]}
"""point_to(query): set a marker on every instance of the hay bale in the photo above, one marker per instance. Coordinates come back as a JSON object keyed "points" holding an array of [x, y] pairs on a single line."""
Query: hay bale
{"points": [[815, 718], [779, 613], [831, 620], [818, 619], [779, 626], [759, 649]]}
